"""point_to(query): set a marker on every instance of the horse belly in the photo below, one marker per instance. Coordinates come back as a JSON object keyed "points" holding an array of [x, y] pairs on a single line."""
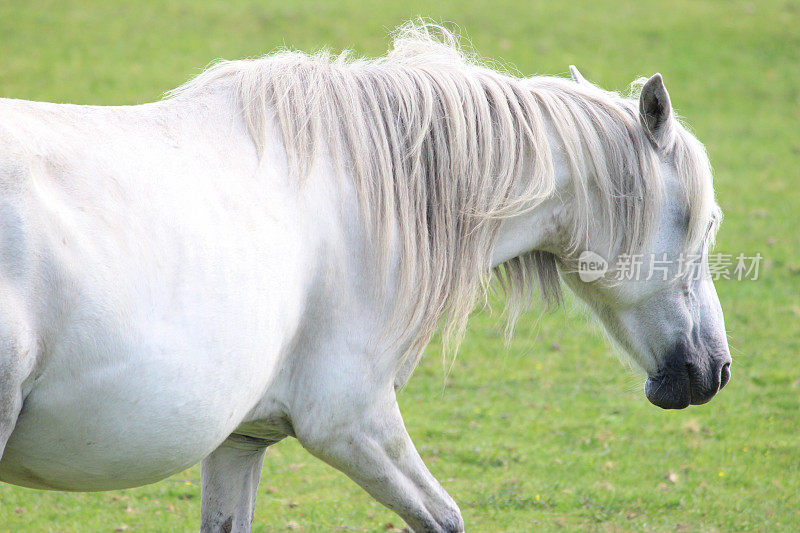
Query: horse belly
{"points": [[125, 424]]}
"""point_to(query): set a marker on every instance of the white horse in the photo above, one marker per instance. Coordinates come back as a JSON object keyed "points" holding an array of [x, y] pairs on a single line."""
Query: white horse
{"points": [[266, 252]]}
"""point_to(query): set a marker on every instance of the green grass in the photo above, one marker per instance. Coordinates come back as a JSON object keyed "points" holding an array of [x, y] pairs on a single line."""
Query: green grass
{"points": [[551, 433]]}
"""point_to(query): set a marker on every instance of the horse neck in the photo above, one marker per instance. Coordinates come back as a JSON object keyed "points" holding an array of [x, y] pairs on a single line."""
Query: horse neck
{"points": [[544, 227]]}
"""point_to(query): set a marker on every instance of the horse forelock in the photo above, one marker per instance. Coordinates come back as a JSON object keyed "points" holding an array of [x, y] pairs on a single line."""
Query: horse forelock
{"points": [[443, 148]]}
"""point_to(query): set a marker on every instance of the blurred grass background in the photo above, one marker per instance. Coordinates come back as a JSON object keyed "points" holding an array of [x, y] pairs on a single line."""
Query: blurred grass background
{"points": [[551, 433]]}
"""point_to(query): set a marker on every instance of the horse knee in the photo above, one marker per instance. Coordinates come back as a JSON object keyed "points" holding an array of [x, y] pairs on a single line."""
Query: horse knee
{"points": [[445, 513], [451, 521], [442, 520]]}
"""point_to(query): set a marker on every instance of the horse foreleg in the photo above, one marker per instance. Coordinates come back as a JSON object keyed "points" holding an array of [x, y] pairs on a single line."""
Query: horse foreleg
{"points": [[229, 481], [369, 443]]}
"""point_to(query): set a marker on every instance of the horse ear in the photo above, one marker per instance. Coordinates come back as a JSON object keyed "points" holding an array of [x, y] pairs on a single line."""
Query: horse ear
{"points": [[655, 109], [576, 76]]}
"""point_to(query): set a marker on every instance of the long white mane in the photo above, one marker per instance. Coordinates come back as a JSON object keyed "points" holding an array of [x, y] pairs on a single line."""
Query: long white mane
{"points": [[441, 148]]}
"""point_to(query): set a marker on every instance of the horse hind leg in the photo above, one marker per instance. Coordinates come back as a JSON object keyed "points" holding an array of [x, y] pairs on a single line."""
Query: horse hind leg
{"points": [[229, 481]]}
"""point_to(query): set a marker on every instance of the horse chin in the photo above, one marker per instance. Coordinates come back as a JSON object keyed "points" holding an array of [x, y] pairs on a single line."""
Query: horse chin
{"points": [[668, 391]]}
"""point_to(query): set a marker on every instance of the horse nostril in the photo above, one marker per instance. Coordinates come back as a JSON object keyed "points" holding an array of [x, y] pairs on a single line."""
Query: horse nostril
{"points": [[725, 375]]}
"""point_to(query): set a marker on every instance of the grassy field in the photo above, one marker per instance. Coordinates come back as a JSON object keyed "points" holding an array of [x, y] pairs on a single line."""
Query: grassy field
{"points": [[552, 432]]}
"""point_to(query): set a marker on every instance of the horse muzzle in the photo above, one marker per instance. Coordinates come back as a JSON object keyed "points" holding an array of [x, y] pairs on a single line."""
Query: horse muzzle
{"points": [[684, 382]]}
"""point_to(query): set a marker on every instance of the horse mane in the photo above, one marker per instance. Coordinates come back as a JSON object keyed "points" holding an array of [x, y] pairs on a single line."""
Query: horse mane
{"points": [[441, 148]]}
